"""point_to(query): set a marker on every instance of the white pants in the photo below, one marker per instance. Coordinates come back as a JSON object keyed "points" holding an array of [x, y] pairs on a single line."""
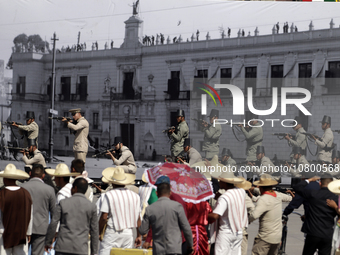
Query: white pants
{"points": [[113, 239], [228, 243], [21, 249]]}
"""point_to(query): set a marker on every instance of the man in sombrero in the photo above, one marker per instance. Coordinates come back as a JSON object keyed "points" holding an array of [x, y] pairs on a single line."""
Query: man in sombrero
{"points": [[15, 213], [231, 212], [120, 211], [269, 212]]}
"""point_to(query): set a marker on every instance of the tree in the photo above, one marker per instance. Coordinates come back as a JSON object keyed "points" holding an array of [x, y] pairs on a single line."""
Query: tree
{"points": [[24, 43]]}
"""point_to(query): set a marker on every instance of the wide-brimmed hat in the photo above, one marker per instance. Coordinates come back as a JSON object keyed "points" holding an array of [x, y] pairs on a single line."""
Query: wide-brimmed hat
{"points": [[61, 170], [244, 184], [11, 172], [144, 179], [229, 177], [334, 187], [206, 171], [266, 180], [116, 175]]}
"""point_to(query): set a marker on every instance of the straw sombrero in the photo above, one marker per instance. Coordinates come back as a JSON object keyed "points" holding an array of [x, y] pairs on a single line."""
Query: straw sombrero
{"points": [[144, 179], [207, 171], [244, 185], [334, 187], [11, 172], [116, 175], [265, 180], [61, 170], [229, 177]]}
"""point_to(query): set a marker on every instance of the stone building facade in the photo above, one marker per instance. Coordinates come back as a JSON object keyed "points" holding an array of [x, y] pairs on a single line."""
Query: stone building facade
{"points": [[133, 91]]}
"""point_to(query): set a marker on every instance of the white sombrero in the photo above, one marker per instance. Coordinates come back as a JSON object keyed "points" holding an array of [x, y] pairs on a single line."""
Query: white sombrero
{"points": [[11, 172], [266, 180], [116, 175], [244, 184], [209, 171], [229, 177], [61, 170], [334, 187]]}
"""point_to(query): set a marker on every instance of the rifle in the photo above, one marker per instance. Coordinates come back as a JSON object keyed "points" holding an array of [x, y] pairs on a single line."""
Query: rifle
{"points": [[59, 118], [311, 136], [112, 150], [283, 162], [284, 134], [12, 122], [201, 122], [16, 148], [337, 131], [168, 129], [255, 162]]}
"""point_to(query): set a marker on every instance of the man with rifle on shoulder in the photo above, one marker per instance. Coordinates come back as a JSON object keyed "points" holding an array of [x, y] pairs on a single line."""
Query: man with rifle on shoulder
{"points": [[81, 127], [177, 135], [30, 130]]}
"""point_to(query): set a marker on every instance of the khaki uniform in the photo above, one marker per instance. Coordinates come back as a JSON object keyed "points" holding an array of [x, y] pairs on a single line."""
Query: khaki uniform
{"points": [[327, 140], [32, 132], [177, 139], [38, 158], [81, 144], [254, 138], [194, 156], [211, 144], [126, 161], [269, 211], [267, 166], [300, 141], [301, 164], [230, 162]]}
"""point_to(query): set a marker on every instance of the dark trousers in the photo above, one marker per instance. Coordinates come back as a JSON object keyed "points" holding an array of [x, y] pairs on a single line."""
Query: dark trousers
{"points": [[37, 244], [184, 248], [312, 243]]}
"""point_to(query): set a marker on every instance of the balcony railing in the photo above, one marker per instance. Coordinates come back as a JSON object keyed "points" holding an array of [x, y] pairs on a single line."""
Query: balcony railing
{"points": [[182, 95]]}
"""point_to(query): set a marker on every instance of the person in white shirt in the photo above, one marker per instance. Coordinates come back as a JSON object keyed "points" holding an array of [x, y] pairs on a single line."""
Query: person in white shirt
{"points": [[231, 212]]}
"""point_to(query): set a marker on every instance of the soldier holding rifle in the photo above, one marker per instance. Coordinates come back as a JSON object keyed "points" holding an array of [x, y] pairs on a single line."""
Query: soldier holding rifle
{"points": [[325, 155], [30, 130], [300, 139], [193, 155], [178, 134], [212, 135], [254, 138], [81, 127], [36, 156], [126, 160]]}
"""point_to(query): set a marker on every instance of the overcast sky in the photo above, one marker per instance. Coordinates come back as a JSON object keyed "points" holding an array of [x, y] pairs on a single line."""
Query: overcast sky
{"points": [[103, 20]]}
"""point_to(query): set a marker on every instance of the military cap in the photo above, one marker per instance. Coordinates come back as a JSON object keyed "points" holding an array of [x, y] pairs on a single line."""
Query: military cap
{"points": [[73, 111], [326, 119], [31, 142], [226, 152], [259, 149], [30, 115], [180, 113], [298, 120], [214, 113], [297, 150], [117, 140], [187, 142]]}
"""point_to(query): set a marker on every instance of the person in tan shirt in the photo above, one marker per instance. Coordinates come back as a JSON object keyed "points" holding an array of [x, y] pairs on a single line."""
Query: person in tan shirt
{"points": [[30, 130], [81, 128], [126, 159], [269, 211]]}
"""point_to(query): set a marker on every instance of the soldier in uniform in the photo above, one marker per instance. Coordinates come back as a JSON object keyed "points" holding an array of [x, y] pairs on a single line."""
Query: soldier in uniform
{"points": [[254, 138], [334, 168], [324, 152], [30, 130], [193, 155], [300, 139], [36, 156], [178, 134], [212, 135], [301, 163], [227, 158], [126, 159], [81, 127], [266, 165]]}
